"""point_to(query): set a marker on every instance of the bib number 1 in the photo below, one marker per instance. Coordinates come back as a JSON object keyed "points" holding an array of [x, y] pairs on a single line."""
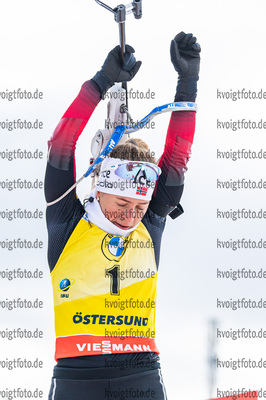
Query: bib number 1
{"points": [[114, 274]]}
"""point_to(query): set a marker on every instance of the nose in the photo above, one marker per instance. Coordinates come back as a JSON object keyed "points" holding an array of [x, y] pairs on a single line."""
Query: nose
{"points": [[128, 215]]}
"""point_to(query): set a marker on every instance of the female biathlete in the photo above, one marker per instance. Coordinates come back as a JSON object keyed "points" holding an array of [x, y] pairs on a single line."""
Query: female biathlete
{"points": [[104, 255]]}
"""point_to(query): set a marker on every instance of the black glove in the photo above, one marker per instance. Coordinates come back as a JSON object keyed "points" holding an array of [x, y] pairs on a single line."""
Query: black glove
{"points": [[186, 60], [113, 71]]}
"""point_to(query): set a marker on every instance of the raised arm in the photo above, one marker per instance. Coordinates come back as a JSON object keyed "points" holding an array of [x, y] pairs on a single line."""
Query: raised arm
{"points": [[173, 162], [63, 216], [60, 172]]}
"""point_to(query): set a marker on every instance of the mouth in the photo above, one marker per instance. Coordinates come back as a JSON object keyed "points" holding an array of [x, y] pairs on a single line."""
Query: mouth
{"points": [[121, 226]]}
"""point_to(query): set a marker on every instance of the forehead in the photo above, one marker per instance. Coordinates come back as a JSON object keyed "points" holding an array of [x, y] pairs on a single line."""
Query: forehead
{"points": [[129, 200]]}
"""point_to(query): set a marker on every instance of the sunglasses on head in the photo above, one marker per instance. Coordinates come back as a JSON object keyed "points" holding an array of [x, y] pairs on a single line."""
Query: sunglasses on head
{"points": [[131, 170]]}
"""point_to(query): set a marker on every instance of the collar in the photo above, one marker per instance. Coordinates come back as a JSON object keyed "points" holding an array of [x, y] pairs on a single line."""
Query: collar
{"points": [[97, 217]]}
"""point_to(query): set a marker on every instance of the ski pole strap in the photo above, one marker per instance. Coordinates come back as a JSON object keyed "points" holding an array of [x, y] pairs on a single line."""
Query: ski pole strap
{"points": [[179, 106]]}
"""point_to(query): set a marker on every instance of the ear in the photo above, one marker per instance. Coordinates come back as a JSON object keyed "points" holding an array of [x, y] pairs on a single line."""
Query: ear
{"points": [[99, 195]]}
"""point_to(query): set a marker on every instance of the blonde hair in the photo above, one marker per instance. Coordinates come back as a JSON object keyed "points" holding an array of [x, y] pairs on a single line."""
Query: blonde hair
{"points": [[133, 150]]}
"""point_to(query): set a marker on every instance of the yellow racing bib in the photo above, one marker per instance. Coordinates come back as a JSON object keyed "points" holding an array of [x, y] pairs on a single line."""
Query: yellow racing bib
{"points": [[104, 290]]}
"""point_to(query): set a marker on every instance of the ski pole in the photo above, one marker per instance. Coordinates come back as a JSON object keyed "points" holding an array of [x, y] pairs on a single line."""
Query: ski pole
{"points": [[120, 17]]}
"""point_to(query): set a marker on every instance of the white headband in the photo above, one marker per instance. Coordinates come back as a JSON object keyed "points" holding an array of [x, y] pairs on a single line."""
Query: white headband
{"points": [[111, 183]]}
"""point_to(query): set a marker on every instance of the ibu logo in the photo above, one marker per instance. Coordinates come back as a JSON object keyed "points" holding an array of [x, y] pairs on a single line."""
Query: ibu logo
{"points": [[65, 284]]}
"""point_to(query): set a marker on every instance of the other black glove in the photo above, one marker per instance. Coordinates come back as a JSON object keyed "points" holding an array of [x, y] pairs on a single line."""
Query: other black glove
{"points": [[113, 71], [186, 60]]}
